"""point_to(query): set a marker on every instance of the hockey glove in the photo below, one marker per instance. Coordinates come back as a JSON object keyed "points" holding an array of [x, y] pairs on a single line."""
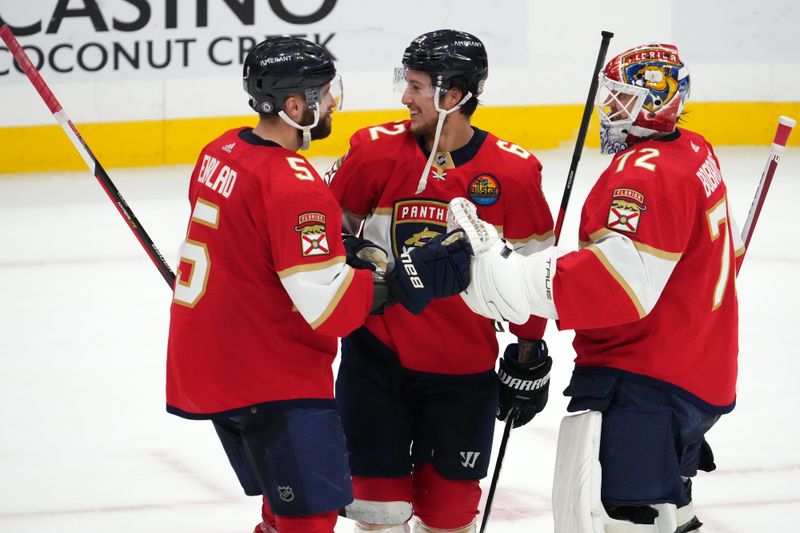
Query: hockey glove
{"points": [[438, 269], [523, 386], [364, 254]]}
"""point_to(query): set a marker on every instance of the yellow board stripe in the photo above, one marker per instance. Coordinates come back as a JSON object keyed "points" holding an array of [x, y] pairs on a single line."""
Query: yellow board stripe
{"points": [[178, 141]]}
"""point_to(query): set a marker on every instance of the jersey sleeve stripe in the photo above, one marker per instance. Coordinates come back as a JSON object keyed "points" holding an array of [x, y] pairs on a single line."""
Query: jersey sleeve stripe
{"points": [[657, 252], [310, 267], [642, 274], [619, 279], [541, 237], [335, 300], [315, 293]]}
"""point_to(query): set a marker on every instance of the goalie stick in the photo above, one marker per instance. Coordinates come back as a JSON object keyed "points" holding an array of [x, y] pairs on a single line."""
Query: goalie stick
{"points": [[28, 68], [785, 125], [576, 157]]}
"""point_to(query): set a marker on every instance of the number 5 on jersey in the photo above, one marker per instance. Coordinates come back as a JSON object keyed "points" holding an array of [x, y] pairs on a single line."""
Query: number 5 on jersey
{"points": [[194, 255]]}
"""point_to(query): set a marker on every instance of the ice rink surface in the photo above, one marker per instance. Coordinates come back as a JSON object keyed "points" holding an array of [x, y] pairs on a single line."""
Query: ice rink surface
{"points": [[87, 445]]}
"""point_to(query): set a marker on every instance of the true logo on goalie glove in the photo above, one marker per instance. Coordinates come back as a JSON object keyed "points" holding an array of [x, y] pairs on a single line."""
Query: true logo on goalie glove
{"points": [[626, 210], [313, 238]]}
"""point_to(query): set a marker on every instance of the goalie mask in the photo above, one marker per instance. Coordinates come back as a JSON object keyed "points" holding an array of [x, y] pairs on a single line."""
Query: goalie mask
{"points": [[283, 66], [445, 55], [641, 94]]}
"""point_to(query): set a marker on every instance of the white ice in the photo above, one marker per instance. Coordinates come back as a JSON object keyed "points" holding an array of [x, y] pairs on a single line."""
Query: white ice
{"points": [[87, 446]]}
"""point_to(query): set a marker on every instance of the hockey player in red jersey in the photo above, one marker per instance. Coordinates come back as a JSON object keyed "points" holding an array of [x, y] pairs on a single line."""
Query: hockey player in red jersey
{"points": [[264, 287], [651, 296], [417, 391]]}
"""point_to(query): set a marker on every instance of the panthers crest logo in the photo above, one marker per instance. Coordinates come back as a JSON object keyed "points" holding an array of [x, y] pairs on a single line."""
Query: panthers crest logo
{"points": [[415, 222]]}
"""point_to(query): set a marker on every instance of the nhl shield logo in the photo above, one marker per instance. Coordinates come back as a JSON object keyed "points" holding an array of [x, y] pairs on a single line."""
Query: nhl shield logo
{"points": [[415, 222], [626, 210], [286, 494], [313, 238]]}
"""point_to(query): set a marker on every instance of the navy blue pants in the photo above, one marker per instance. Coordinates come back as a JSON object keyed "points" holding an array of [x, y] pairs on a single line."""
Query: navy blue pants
{"points": [[651, 437], [294, 456], [395, 418]]}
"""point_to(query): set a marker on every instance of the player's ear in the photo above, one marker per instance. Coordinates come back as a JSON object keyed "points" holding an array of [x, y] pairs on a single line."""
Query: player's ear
{"points": [[293, 106], [452, 97]]}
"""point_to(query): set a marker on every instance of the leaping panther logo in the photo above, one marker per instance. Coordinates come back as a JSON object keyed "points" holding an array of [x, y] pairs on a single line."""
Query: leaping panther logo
{"points": [[419, 239]]}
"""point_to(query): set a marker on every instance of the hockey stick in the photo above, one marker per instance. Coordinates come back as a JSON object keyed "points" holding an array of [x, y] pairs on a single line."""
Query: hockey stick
{"points": [[785, 125], [24, 62], [587, 114], [576, 157]]}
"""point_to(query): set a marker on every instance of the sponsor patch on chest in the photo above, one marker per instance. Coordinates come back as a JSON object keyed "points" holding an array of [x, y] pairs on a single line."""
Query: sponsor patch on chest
{"points": [[626, 210], [313, 237]]}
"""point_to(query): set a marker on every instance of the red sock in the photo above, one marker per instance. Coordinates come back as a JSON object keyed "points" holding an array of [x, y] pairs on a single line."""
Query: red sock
{"points": [[444, 503], [315, 523]]}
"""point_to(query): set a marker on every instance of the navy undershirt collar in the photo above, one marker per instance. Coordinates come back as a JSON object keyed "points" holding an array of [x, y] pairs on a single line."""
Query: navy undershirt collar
{"points": [[466, 152]]}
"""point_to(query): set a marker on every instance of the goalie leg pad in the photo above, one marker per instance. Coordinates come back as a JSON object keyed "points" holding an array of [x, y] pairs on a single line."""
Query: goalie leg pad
{"points": [[577, 505], [577, 477]]}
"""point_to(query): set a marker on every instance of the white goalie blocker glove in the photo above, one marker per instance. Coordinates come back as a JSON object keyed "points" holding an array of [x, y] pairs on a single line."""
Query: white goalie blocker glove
{"points": [[504, 285]]}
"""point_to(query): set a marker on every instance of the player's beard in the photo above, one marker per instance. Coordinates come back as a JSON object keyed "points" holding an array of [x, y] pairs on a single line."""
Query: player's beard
{"points": [[425, 129], [322, 129]]}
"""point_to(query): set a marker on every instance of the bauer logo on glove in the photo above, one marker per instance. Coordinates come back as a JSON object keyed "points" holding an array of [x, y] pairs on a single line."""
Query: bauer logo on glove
{"points": [[438, 269]]}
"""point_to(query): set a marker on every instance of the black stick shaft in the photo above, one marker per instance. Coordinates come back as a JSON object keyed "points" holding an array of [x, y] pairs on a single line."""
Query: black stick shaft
{"points": [[576, 157], [587, 115], [487, 510]]}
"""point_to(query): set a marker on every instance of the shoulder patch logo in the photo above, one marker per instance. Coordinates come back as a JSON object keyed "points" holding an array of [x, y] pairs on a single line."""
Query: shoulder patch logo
{"points": [[484, 190], [626, 209], [313, 237]]}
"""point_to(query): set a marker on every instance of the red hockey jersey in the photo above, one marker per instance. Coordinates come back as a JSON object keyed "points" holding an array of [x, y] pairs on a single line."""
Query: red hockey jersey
{"points": [[262, 288], [376, 182], [653, 289]]}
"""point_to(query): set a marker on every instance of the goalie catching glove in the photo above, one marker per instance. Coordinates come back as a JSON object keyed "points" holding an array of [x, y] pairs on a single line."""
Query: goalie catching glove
{"points": [[523, 386], [504, 285], [438, 269]]}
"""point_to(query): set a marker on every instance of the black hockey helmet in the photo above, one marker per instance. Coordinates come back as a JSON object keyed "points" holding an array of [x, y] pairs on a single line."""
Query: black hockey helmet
{"points": [[281, 66], [445, 54]]}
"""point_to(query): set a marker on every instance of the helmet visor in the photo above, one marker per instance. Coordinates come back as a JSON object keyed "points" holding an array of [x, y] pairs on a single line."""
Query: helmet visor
{"points": [[335, 93], [414, 82], [617, 102]]}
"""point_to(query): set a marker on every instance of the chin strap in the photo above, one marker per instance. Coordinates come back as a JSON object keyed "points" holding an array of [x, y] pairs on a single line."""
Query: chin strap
{"points": [[423, 180], [305, 129]]}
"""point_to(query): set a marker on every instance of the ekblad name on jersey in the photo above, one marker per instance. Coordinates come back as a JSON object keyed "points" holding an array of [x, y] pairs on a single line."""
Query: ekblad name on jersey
{"points": [[263, 289], [376, 182]]}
